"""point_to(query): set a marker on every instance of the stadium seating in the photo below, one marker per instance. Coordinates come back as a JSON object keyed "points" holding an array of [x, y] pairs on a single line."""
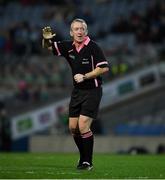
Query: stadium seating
{"points": [[132, 45]]}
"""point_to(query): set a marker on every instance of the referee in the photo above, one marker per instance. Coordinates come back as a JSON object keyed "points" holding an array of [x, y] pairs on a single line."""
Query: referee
{"points": [[87, 63]]}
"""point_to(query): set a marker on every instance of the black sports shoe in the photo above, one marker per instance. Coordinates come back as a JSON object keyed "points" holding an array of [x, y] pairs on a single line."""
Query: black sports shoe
{"points": [[85, 166], [80, 162]]}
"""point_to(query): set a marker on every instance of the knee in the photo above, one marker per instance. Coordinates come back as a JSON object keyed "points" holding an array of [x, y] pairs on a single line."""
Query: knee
{"points": [[84, 123], [73, 125], [73, 130], [84, 126]]}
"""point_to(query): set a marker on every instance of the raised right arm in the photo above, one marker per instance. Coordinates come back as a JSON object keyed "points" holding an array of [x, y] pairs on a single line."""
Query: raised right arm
{"points": [[47, 38]]}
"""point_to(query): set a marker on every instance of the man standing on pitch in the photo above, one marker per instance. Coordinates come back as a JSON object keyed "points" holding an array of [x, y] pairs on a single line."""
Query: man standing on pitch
{"points": [[87, 63]]}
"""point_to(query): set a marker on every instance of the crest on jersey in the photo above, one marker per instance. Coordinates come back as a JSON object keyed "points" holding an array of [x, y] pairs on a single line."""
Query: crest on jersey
{"points": [[71, 56]]}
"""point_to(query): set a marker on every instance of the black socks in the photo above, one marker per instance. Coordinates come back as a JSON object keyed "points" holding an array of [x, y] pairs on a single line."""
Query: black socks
{"points": [[87, 141], [78, 140]]}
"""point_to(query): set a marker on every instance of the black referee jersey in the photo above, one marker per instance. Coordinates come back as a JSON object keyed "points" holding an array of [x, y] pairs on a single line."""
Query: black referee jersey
{"points": [[82, 60]]}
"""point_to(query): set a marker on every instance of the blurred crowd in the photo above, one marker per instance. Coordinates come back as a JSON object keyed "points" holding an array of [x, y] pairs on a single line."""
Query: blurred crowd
{"points": [[131, 33], [28, 71]]}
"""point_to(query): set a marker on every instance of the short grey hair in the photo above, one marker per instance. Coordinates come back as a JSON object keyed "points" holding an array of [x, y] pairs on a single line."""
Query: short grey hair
{"points": [[81, 21]]}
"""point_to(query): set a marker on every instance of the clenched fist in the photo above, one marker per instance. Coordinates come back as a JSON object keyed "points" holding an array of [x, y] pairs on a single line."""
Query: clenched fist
{"points": [[79, 78]]}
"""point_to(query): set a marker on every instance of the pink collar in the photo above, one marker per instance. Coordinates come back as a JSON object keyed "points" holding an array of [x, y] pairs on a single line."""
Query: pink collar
{"points": [[85, 42]]}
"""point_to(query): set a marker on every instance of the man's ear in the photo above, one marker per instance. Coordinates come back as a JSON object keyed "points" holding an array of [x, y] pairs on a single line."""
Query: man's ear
{"points": [[86, 32], [71, 34]]}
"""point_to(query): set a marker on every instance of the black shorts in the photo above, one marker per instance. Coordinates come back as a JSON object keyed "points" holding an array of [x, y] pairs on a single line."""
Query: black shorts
{"points": [[85, 102]]}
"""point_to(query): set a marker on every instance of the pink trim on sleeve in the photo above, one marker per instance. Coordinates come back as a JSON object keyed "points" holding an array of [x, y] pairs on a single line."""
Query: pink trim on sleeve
{"points": [[58, 51], [96, 82], [104, 62]]}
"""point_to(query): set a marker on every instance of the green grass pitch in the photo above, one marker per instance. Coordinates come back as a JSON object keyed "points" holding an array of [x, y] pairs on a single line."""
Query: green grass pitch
{"points": [[62, 166]]}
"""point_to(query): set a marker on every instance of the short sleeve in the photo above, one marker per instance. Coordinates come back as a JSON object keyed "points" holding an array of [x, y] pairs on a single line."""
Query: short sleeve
{"points": [[99, 57], [60, 48]]}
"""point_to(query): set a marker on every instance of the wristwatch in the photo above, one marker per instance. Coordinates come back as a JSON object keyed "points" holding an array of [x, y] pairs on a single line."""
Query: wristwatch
{"points": [[84, 77]]}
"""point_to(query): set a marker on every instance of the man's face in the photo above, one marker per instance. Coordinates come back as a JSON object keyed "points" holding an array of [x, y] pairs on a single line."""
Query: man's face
{"points": [[78, 31]]}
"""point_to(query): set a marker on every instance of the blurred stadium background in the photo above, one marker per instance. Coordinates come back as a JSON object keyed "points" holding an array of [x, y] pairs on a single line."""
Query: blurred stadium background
{"points": [[35, 86]]}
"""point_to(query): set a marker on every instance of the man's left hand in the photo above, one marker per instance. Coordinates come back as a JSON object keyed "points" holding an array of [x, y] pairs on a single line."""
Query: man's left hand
{"points": [[79, 78]]}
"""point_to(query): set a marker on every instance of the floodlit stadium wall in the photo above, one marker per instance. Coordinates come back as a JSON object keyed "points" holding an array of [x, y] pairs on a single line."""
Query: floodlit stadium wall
{"points": [[103, 144], [113, 92]]}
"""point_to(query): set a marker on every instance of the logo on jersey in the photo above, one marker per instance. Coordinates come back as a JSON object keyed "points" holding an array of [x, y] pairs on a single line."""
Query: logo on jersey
{"points": [[71, 56], [85, 61]]}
